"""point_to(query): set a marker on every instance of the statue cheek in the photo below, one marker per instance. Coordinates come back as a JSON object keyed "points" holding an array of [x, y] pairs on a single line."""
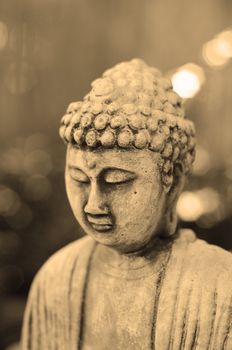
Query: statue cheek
{"points": [[126, 207], [77, 196]]}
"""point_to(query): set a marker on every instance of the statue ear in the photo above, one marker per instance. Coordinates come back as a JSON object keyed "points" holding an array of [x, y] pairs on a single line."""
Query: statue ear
{"points": [[170, 216], [177, 185]]}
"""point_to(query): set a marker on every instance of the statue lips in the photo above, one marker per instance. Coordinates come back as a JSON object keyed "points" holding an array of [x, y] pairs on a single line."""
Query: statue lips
{"points": [[100, 223]]}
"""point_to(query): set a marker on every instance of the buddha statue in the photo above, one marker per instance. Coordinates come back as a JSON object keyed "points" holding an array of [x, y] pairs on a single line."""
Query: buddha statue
{"points": [[135, 281]]}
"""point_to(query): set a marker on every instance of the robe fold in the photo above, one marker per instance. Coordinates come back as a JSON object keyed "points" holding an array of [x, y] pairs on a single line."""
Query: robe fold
{"points": [[192, 308]]}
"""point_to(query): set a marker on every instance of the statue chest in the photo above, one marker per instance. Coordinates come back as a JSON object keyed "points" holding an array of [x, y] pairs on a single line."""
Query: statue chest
{"points": [[119, 310]]}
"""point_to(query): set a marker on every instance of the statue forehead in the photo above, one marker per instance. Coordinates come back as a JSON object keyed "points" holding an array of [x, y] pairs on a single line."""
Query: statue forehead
{"points": [[113, 158]]}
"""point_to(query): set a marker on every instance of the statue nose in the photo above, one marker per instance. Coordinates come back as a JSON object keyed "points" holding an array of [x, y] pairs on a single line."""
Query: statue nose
{"points": [[96, 204]]}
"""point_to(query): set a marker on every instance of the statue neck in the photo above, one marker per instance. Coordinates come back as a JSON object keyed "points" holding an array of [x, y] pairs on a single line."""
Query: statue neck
{"points": [[117, 262]]}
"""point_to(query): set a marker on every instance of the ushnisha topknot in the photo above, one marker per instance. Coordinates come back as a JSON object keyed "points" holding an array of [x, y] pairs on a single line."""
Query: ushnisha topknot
{"points": [[133, 106]]}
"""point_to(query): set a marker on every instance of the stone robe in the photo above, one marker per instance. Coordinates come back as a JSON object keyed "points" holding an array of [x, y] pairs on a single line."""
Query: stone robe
{"points": [[192, 306]]}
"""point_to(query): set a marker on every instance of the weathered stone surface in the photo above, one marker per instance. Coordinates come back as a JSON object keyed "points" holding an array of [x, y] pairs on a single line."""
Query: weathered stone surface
{"points": [[135, 282], [187, 306]]}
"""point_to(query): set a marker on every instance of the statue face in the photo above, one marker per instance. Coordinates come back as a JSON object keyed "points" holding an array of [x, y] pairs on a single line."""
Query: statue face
{"points": [[116, 196]]}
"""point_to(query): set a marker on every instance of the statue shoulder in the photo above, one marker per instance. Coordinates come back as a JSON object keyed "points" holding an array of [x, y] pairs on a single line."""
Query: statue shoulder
{"points": [[56, 289], [205, 260], [211, 255], [61, 264]]}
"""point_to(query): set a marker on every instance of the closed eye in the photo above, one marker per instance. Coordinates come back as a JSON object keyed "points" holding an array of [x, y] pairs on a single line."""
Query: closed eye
{"points": [[118, 176], [78, 175]]}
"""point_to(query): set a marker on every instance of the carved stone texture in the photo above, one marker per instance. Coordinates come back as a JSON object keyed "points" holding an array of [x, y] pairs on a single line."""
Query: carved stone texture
{"points": [[135, 281], [133, 106]]}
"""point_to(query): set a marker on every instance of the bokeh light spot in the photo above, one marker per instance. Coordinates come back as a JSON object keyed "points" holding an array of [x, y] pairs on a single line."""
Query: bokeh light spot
{"points": [[210, 199], [192, 205], [226, 37], [3, 35], [37, 188], [12, 161], [21, 219], [216, 52], [188, 80], [9, 201], [189, 206], [38, 162]]}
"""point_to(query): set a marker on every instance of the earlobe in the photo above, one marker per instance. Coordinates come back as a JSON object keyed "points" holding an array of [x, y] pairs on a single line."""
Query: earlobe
{"points": [[172, 195], [176, 186], [170, 223]]}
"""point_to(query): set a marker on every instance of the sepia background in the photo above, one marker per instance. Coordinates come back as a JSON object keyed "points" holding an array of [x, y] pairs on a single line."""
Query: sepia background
{"points": [[50, 51]]}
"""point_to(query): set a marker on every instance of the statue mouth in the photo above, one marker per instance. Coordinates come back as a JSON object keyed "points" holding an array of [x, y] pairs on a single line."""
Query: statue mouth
{"points": [[101, 223]]}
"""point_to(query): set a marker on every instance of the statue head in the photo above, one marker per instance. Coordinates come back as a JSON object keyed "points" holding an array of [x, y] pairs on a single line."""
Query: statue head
{"points": [[130, 147]]}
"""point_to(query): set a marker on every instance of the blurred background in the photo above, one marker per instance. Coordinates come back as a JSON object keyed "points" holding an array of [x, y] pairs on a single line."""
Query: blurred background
{"points": [[50, 51]]}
